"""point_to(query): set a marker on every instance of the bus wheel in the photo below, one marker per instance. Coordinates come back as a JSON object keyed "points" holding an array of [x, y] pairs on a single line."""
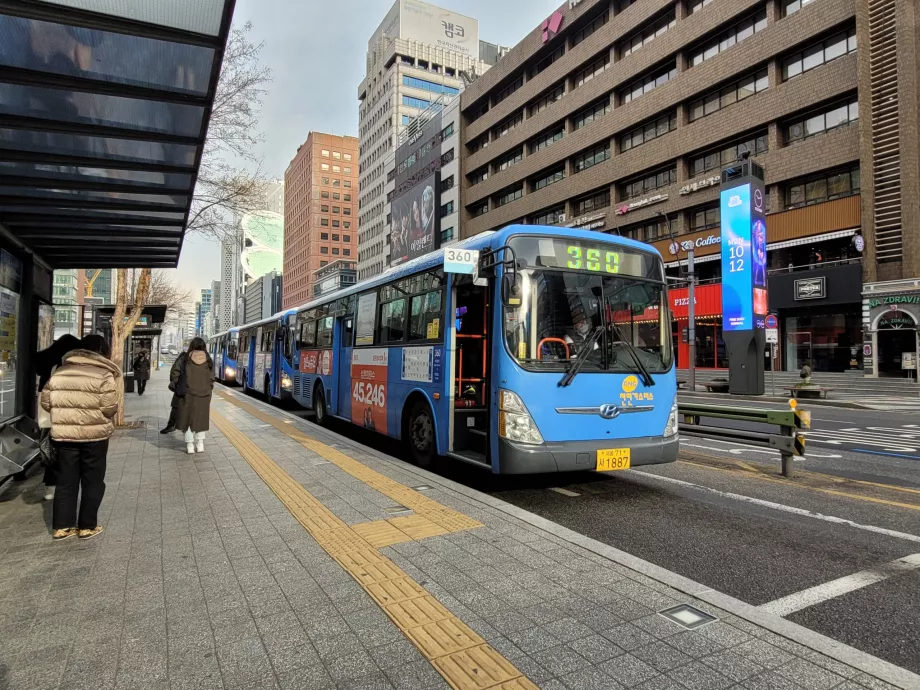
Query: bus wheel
{"points": [[421, 437], [320, 412]]}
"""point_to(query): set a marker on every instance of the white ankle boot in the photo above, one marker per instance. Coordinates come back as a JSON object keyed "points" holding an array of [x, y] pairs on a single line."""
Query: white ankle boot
{"points": [[199, 446], [190, 448]]}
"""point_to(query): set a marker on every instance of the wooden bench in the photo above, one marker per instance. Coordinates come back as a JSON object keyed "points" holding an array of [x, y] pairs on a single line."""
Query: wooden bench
{"points": [[810, 392], [717, 386]]}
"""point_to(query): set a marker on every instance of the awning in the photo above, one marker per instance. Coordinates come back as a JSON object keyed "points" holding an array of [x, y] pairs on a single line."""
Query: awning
{"points": [[104, 108]]}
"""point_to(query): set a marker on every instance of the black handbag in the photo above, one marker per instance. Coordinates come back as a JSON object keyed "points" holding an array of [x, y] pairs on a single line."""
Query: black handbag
{"points": [[182, 384]]}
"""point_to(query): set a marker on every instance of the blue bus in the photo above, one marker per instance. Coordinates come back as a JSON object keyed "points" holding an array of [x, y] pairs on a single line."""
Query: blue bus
{"points": [[544, 349], [267, 356], [224, 349]]}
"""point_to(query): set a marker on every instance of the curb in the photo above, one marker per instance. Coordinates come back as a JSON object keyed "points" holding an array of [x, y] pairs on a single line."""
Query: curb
{"points": [[843, 653]]}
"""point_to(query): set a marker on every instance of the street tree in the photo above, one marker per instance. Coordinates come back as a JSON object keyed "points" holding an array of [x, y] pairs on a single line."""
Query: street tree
{"points": [[128, 310]]}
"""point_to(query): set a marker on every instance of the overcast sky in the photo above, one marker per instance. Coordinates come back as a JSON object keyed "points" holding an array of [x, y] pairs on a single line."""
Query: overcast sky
{"points": [[316, 50]]}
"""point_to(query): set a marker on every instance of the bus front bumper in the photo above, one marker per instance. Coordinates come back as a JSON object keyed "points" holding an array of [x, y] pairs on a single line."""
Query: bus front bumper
{"points": [[571, 456]]}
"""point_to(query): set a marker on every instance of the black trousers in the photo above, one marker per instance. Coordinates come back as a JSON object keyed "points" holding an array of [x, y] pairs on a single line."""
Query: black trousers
{"points": [[141, 386], [81, 471]]}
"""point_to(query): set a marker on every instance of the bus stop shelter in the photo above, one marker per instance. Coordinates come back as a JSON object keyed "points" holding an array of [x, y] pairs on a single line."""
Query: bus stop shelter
{"points": [[104, 110]]}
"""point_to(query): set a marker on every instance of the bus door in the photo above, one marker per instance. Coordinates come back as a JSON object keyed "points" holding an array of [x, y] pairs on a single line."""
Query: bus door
{"points": [[343, 346], [470, 421]]}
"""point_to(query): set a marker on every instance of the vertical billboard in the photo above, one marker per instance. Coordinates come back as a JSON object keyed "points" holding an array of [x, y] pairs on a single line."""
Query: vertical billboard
{"points": [[414, 228], [436, 26], [744, 257]]}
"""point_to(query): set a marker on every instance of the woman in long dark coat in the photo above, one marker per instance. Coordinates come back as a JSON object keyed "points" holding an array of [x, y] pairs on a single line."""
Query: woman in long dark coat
{"points": [[192, 381], [141, 368]]}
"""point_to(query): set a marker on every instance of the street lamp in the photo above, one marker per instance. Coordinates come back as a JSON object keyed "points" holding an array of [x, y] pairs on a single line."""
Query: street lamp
{"points": [[691, 302]]}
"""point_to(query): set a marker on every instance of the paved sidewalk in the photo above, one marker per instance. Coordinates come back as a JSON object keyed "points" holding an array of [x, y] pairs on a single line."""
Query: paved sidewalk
{"points": [[287, 557]]}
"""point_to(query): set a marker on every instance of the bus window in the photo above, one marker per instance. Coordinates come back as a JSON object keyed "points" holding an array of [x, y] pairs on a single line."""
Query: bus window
{"points": [[392, 322], [348, 331], [425, 322], [232, 348], [288, 344], [324, 332], [308, 334]]}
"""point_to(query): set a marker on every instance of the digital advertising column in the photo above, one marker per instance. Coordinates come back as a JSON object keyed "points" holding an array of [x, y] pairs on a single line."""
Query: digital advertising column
{"points": [[744, 276]]}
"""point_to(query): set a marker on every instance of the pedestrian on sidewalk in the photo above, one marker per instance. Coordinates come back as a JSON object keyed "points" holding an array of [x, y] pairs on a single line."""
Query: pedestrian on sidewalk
{"points": [[46, 361], [192, 381], [82, 398], [141, 367]]}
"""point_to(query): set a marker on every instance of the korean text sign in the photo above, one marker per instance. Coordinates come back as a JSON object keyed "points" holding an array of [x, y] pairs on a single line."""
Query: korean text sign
{"points": [[744, 258]]}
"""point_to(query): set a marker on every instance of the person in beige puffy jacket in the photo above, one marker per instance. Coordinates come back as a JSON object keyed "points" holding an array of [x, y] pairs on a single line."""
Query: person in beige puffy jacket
{"points": [[82, 398]]}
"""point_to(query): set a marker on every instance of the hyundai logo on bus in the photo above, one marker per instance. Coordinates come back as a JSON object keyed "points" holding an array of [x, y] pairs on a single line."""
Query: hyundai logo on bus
{"points": [[609, 411]]}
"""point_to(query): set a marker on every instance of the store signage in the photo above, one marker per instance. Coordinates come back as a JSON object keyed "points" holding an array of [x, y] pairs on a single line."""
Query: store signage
{"points": [[772, 335], [657, 199], [894, 299], [859, 244], [909, 361], [598, 220], [699, 184], [551, 25], [810, 288], [707, 241], [744, 257]]}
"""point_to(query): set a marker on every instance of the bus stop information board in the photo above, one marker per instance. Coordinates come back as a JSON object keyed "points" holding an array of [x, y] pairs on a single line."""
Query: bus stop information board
{"points": [[744, 258]]}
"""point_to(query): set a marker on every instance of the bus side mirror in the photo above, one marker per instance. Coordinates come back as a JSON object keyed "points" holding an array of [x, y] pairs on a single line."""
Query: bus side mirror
{"points": [[511, 290]]}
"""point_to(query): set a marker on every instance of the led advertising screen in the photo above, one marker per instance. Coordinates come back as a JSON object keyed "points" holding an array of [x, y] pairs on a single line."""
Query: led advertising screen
{"points": [[414, 222], [744, 258]]}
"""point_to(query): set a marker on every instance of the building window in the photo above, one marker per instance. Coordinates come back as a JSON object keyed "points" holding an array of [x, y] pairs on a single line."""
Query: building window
{"points": [[324, 208], [792, 6], [479, 209], [736, 34], [479, 143], [447, 131], [324, 235], [447, 157], [447, 209], [511, 158], [346, 225], [324, 153], [405, 119], [480, 111], [346, 211], [480, 175], [593, 202], [335, 196], [335, 238], [553, 216], [323, 263], [648, 83], [509, 195], [325, 180], [648, 33], [347, 184], [650, 130], [347, 156], [646, 232], [336, 169], [335, 224], [724, 97], [447, 183], [813, 124], [412, 102], [547, 99], [705, 218], [508, 90], [824, 187], [324, 195], [335, 250], [592, 113], [598, 66], [346, 252], [324, 250], [648, 183], [697, 5], [347, 197], [347, 170], [834, 47], [428, 86], [336, 155], [324, 221], [447, 234], [324, 167], [547, 178], [346, 238], [591, 27], [508, 125], [546, 139], [725, 155], [589, 159], [547, 61], [337, 183], [336, 209]]}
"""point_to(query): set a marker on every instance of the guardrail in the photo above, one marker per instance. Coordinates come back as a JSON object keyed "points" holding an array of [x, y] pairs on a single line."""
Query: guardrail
{"points": [[789, 441]]}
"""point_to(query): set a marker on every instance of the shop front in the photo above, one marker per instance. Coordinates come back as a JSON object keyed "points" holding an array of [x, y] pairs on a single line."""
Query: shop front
{"points": [[891, 316], [710, 348]]}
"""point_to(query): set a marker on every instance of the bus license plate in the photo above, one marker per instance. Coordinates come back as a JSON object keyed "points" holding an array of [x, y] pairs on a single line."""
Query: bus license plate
{"points": [[612, 459]]}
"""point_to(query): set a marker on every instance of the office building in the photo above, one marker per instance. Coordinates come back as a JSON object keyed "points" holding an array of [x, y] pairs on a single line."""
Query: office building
{"points": [[102, 283], [619, 116], [337, 275], [68, 298], [320, 213], [263, 297], [418, 53]]}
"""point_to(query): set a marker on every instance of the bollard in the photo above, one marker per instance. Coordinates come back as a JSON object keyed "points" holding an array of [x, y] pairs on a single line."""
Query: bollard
{"points": [[785, 455]]}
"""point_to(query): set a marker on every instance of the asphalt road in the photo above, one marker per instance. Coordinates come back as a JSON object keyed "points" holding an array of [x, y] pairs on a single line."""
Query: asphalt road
{"points": [[723, 516]]}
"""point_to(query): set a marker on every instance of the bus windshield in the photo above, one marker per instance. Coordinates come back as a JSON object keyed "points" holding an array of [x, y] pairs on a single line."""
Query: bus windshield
{"points": [[233, 345], [561, 310]]}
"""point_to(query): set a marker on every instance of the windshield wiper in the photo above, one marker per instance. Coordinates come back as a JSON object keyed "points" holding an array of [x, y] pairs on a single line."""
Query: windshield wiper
{"points": [[581, 356], [631, 349]]}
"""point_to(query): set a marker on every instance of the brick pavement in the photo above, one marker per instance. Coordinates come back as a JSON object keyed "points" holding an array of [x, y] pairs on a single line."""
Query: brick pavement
{"points": [[205, 579]]}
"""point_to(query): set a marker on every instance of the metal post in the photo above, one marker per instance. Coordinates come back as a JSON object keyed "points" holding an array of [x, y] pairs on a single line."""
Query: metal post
{"points": [[691, 315], [773, 349], [785, 455]]}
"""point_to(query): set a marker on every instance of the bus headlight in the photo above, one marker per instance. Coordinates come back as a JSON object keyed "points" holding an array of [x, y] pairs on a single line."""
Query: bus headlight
{"points": [[286, 382], [229, 372], [514, 421], [671, 427]]}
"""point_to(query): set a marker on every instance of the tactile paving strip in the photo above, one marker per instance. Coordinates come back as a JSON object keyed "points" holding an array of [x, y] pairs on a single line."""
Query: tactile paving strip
{"points": [[456, 651]]}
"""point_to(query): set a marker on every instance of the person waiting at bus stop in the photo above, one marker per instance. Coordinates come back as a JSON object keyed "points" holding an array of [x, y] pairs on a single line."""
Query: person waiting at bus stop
{"points": [[141, 367], [192, 381]]}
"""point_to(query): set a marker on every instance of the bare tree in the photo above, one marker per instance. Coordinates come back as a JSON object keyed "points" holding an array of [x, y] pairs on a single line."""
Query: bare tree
{"points": [[225, 189], [164, 290], [127, 314]]}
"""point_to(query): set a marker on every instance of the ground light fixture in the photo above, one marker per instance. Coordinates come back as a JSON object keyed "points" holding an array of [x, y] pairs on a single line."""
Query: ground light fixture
{"points": [[687, 616]]}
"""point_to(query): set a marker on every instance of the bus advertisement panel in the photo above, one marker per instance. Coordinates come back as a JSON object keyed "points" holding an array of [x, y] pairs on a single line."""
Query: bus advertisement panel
{"points": [[369, 388]]}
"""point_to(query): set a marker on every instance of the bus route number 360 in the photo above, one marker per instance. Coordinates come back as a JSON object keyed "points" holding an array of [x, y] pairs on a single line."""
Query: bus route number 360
{"points": [[370, 393], [460, 260]]}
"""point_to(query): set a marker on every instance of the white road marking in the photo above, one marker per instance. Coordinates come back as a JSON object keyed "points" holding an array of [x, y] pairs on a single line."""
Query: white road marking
{"points": [[782, 507], [564, 492], [844, 585], [746, 448]]}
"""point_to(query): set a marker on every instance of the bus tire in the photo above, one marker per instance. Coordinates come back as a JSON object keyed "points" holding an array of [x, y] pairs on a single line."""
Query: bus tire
{"points": [[420, 435], [320, 411]]}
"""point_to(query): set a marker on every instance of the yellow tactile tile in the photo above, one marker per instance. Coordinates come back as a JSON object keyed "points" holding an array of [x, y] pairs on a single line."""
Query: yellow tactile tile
{"points": [[458, 653], [381, 533], [417, 526]]}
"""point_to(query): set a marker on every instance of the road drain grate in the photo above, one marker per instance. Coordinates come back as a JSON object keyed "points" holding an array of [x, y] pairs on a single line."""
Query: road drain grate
{"points": [[687, 616]]}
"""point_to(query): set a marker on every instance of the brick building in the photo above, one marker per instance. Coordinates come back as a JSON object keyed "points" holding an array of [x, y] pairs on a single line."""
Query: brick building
{"points": [[320, 216], [618, 116]]}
